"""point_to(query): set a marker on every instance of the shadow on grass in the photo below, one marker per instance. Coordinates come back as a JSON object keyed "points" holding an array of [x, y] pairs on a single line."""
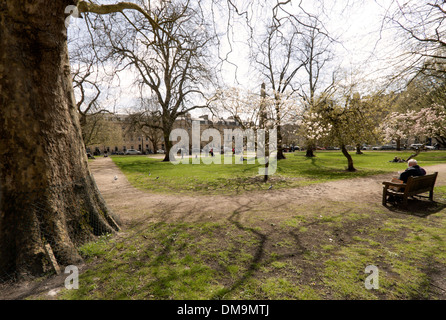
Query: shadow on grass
{"points": [[255, 262], [262, 254], [417, 207]]}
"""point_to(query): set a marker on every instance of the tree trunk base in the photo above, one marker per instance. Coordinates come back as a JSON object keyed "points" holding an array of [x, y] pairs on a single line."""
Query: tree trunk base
{"points": [[61, 218], [350, 167], [310, 154], [280, 155]]}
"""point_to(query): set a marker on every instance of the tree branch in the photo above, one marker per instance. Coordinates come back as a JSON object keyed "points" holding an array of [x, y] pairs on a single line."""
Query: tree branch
{"points": [[84, 6]]}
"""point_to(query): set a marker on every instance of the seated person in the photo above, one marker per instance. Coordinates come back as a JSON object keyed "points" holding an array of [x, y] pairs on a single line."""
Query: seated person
{"points": [[413, 170]]}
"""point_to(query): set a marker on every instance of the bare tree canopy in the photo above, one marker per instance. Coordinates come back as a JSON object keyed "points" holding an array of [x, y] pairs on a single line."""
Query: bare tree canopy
{"points": [[422, 30], [169, 56]]}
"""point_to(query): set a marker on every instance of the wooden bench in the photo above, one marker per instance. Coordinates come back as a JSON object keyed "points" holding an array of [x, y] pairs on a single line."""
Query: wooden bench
{"points": [[414, 186]]}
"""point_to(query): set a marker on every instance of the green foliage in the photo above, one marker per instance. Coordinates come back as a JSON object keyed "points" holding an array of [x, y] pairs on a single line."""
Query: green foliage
{"points": [[349, 120]]}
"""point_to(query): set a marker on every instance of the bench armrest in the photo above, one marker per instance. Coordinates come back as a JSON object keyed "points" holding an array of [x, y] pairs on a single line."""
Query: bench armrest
{"points": [[393, 184]]}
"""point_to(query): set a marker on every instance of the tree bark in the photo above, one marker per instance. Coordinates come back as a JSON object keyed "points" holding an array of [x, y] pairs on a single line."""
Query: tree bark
{"points": [[47, 193], [349, 159], [167, 129], [280, 155], [309, 153], [263, 126]]}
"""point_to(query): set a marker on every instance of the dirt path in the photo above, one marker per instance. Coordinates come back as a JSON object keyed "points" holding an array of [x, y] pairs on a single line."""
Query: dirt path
{"points": [[132, 204]]}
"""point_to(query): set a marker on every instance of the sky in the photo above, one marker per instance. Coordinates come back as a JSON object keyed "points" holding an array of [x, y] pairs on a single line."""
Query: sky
{"points": [[363, 45], [368, 41]]}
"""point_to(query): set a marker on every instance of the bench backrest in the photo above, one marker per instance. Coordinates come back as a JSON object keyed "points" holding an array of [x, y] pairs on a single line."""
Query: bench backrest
{"points": [[421, 183]]}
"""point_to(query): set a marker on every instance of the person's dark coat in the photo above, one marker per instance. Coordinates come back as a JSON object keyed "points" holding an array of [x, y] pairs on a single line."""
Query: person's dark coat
{"points": [[413, 171]]}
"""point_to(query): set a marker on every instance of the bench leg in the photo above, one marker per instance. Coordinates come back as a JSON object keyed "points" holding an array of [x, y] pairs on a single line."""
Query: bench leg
{"points": [[431, 195], [405, 201], [384, 196]]}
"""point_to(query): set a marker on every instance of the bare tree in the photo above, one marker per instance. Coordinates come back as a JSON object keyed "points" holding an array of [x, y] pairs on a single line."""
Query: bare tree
{"points": [[421, 27], [147, 118], [171, 63], [316, 53], [91, 87], [291, 56], [276, 60]]}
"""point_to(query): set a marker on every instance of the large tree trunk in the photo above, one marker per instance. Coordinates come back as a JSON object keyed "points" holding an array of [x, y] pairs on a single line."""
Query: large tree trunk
{"points": [[349, 158], [47, 193]]}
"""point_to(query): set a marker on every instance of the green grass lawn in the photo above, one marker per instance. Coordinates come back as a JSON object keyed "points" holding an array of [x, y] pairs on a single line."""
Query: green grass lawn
{"points": [[319, 253], [296, 170], [311, 251]]}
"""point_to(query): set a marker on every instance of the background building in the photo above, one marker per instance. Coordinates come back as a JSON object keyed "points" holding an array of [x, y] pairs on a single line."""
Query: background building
{"points": [[117, 133]]}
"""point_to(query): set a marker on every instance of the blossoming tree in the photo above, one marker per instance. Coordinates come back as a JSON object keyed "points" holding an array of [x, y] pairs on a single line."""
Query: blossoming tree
{"points": [[429, 122], [397, 126], [350, 123]]}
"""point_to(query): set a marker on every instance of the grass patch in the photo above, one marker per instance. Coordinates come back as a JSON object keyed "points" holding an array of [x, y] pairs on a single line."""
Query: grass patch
{"points": [[253, 260], [320, 251], [297, 170]]}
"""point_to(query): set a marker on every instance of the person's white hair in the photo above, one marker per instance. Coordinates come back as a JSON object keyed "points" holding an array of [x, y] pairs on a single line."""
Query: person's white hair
{"points": [[412, 162]]}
